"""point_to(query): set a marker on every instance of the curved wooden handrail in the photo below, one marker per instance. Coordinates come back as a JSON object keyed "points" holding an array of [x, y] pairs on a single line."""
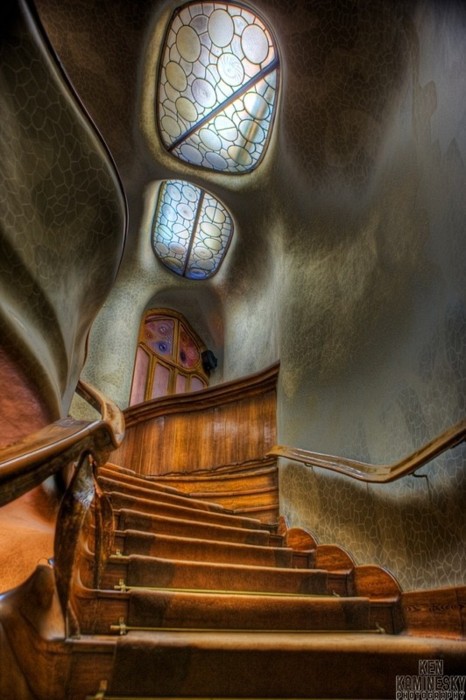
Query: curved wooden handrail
{"points": [[372, 473], [202, 430], [30, 461], [208, 397]]}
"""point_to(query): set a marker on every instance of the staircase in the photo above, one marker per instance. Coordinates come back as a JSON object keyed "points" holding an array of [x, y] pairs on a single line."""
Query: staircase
{"points": [[203, 601]]}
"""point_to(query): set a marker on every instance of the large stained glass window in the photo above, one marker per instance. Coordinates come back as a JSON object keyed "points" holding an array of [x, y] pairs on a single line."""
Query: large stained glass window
{"points": [[191, 230], [217, 87]]}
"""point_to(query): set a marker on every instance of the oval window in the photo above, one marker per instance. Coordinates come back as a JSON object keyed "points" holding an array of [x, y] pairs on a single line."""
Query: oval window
{"points": [[217, 87], [191, 230]]}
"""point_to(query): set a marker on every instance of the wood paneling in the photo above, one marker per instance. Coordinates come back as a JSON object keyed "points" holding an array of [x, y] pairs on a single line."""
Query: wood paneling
{"points": [[226, 424], [436, 613]]}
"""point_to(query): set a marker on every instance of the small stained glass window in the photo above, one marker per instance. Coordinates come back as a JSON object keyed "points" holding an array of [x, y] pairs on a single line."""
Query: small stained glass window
{"points": [[191, 230], [218, 86]]}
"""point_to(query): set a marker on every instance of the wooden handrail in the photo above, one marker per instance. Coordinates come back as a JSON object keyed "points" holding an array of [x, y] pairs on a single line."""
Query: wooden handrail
{"points": [[202, 430], [372, 473], [209, 397], [30, 461], [27, 463]]}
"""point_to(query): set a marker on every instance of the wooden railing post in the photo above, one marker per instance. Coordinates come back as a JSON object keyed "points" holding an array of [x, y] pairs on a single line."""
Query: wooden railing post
{"points": [[87, 445], [75, 508]]}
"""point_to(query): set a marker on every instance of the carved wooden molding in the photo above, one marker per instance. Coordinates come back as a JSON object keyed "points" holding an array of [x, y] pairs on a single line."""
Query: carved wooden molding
{"points": [[231, 423], [228, 392]]}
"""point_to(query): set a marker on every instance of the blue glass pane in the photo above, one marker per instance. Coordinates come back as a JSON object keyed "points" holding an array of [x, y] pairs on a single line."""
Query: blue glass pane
{"points": [[191, 230], [218, 87]]}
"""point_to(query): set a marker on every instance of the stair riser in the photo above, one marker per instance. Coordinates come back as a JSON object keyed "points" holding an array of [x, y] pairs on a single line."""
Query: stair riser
{"points": [[265, 515], [247, 500], [339, 584], [97, 614], [387, 616], [198, 550], [243, 613], [89, 666]]}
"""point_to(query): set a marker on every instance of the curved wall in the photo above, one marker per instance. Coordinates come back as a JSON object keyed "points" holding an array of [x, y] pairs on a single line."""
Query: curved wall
{"points": [[374, 361], [62, 217], [348, 263]]}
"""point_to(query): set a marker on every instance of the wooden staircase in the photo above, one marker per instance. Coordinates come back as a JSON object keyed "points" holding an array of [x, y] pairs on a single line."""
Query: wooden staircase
{"points": [[200, 601]]}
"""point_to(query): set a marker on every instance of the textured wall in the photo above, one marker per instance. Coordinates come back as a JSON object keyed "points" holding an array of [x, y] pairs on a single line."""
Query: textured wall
{"points": [[61, 224], [374, 362], [349, 256]]}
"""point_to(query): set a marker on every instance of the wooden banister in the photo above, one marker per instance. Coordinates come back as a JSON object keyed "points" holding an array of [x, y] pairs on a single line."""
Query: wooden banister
{"points": [[30, 461], [372, 473], [27, 463]]}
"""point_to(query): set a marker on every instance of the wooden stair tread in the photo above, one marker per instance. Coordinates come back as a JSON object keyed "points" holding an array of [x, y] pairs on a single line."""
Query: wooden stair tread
{"points": [[142, 571], [208, 476], [208, 610], [347, 641], [228, 470], [211, 602], [120, 500], [153, 493], [232, 494], [197, 549], [262, 664], [136, 520], [262, 474], [232, 468]]}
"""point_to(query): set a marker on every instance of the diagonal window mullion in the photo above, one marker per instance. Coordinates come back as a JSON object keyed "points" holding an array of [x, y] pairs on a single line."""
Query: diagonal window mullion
{"points": [[244, 88]]}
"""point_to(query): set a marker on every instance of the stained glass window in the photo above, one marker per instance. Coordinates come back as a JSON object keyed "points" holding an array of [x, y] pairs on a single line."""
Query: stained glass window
{"points": [[168, 358], [191, 230], [218, 86]]}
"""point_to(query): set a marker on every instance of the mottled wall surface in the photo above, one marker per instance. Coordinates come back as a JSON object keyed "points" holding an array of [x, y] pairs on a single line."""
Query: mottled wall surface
{"points": [[374, 362], [348, 262], [61, 229]]}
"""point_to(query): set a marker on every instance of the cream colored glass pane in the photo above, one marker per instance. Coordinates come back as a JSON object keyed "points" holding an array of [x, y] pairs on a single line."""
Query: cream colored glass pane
{"points": [[141, 367], [160, 381]]}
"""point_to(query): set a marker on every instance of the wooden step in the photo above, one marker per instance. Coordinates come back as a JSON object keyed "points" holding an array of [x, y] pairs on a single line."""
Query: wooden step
{"points": [[138, 571], [265, 509], [215, 480], [102, 612], [262, 477], [239, 468], [197, 549], [252, 492], [229, 471], [267, 514], [244, 499], [254, 664], [153, 505], [135, 520], [150, 491]]}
